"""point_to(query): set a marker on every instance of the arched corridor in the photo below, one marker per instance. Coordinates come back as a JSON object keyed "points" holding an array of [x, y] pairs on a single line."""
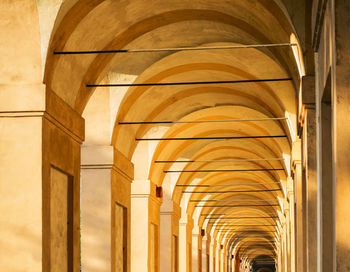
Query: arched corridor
{"points": [[174, 136]]}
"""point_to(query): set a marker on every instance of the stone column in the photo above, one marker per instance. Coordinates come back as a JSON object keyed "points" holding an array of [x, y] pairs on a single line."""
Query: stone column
{"points": [[307, 132], [166, 211], [212, 256], [342, 138], [145, 210], [290, 194], [287, 235], [140, 193], [300, 191], [236, 262], [284, 247], [229, 263], [96, 192], [122, 176], [280, 256], [204, 254], [309, 158], [223, 260], [217, 257], [185, 227], [195, 257], [40, 138], [232, 265]]}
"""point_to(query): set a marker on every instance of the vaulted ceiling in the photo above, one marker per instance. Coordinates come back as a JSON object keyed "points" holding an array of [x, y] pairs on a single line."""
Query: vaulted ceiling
{"points": [[248, 199]]}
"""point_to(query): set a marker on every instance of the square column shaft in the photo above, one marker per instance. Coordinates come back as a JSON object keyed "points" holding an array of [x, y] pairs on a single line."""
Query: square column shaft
{"points": [[145, 226], [195, 250], [40, 139], [185, 243], [105, 213], [169, 236], [205, 254]]}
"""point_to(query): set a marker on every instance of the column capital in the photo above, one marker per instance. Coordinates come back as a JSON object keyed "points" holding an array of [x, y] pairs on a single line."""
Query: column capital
{"points": [[183, 221], [97, 157], [141, 188], [35, 101], [290, 187], [283, 222], [196, 230], [169, 207], [195, 235], [307, 99], [286, 206]]}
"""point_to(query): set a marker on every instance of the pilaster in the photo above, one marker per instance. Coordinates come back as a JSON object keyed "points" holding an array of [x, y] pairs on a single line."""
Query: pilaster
{"points": [[292, 219], [169, 236], [96, 192], [195, 249], [300, 212], [185, 243], [204, 254], [144, 226], [40, 140]]}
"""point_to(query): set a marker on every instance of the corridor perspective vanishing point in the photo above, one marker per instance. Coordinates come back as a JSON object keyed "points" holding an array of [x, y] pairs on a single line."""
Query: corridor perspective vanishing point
{"points": [[174, 135]]}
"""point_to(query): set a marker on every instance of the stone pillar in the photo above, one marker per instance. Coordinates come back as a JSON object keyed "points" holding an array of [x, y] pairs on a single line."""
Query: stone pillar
{"points": [[223, 260], [217, 258], [309, 158], [204, 254], [236, 262], [232, 265], [290, 194], [280, 257], [228, 262], [145, 210], [166, 211], [183, 254], [40, 138], [175, 233], [284, 247], [140, 193], [195, 257], [287, 235], [96, 192], [342, 138], [122, 177], [212, 256], [300, 191], [307, 132]]}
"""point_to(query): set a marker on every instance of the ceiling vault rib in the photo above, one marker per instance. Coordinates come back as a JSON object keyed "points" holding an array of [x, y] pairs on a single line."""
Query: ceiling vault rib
{"points": [[259, 231], [238, 160], [203, 121], [234, 191], [211, 138], [248, 205], [225, 185], [234, 200], [174, 49], [256, 225], [222, 170], [187, 83], [239, 217]]}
